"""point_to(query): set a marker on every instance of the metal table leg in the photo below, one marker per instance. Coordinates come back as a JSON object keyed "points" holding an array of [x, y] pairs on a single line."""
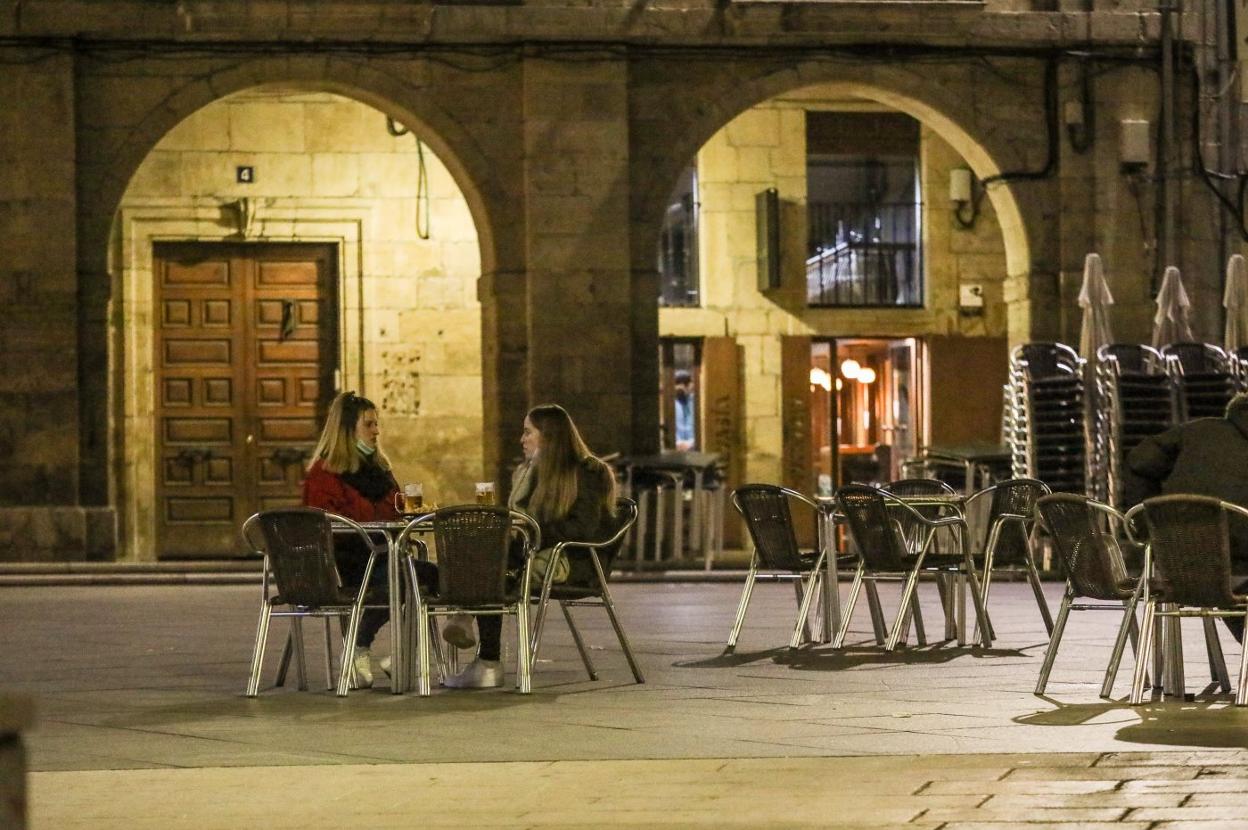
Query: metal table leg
{"points": [[398, 654]]}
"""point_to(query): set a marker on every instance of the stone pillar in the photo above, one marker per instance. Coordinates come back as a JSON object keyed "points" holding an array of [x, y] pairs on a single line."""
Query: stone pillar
{"points": [[40, 433], [577, 232]]}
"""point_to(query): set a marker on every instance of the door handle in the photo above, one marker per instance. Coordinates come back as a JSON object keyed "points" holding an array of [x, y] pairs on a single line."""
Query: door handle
{"points": [[251, 439]]}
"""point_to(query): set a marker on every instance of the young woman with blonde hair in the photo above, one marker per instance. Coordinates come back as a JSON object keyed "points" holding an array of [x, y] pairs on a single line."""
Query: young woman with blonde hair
{"points": [[571, 493], [350, 475]]}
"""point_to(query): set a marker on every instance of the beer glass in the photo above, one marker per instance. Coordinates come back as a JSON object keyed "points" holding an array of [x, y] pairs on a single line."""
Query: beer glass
{"points": [[485, 492], [413, 498]]}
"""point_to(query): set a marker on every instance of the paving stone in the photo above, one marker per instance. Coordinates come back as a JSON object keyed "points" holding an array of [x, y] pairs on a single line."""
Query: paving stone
{"points": [[144, 727]]}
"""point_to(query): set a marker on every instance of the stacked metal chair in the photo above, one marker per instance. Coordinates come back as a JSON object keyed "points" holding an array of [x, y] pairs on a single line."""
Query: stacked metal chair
{"points": [[1205, 376], [1044, 416], [1136, 400], [1239, 359]]}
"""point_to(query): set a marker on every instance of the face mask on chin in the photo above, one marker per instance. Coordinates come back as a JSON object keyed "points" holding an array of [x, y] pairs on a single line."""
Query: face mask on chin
{"points": [[365, 449]]}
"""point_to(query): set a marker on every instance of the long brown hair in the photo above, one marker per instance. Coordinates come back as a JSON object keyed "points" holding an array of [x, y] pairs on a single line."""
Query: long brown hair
{"points": [[336, 448], [561, 453]]}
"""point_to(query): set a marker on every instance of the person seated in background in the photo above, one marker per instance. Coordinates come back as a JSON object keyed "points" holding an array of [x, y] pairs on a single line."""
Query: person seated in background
{"points": [[571, 494], [1205, 457], [350, 475], [686, 431]]}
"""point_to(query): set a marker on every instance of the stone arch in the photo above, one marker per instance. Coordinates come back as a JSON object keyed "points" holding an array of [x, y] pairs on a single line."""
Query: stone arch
{"points": [[105, 175], [955, 118], [388, 93]]}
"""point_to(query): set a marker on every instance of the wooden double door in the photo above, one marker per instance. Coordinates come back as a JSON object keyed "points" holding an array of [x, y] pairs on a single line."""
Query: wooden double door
{"points": [[245, 356]]}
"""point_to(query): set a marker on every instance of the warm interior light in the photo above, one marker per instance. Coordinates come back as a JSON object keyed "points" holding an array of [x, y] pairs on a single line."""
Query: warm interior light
{"points": [[866, 375], [820, 377], [839, 384], [850, 368]]}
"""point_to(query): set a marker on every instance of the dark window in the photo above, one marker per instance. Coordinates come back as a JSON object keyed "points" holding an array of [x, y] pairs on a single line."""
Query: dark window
{"points": [[678, 244], [864, 246]]}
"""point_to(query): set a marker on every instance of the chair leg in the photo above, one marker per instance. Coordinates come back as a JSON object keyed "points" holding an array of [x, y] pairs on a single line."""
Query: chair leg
{"points": [[982, 620], [524, 662], [1241, 695], [1120, 644], [348, 648], [920, 633], [800, 593], [1055, 638], [580, 643], [1146, 650], [942, 588], [424, 625], [877, 613], [1037, 588], [984, 587], [854, 588], [257, 652], [329, 656], [1217, 662], [742, 605], [802, 628], [609, 603], [301, 666], [283, 663], [907, 593]]}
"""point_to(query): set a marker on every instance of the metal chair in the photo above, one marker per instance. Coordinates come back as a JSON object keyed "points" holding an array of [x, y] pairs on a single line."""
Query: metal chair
{"points": [[472, 543], [874, 518], [1010, 519], [1188, 559], [298, 548], [913, 532], [588, 596], [765, 509], [1085, 533]]}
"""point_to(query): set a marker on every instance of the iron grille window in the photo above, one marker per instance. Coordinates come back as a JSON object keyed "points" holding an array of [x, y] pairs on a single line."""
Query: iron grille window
{"points": [[864, 255], [678, 245]]}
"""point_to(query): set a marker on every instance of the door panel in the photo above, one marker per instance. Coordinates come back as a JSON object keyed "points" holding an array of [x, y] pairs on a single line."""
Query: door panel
{"points": [[966, 374], [245, 356]]}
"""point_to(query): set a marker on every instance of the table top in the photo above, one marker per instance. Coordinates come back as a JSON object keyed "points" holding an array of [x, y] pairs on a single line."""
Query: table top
{"points": [[673, 460], [970, 453]]}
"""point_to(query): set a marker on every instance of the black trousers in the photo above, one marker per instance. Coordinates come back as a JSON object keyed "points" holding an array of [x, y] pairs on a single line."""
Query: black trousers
{"points": [[352, 559]]}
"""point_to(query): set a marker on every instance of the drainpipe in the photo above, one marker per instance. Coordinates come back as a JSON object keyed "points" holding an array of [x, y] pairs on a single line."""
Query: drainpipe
{"points": [[1165, 141]]}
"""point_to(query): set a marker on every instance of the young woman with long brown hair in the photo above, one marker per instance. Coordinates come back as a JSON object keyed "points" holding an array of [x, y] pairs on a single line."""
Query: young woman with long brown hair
{"points": [[571, 493]]}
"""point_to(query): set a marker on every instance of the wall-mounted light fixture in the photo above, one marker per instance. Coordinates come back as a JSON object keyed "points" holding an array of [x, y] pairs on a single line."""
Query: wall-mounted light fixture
{"points": [[966, 195]]}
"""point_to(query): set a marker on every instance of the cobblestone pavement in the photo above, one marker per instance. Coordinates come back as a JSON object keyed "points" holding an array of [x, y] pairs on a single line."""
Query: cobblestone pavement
{"points": [[142, 725]]}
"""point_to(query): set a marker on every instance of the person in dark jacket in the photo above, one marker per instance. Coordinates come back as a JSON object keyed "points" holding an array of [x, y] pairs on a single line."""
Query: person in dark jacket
{"points": [[350, 475], [571, 493], [1205, 457]]}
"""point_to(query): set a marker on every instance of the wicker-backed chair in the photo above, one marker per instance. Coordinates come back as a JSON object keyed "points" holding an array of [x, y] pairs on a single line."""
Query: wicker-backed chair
{"points": [[298, 548], [777, 556], [1007, 537], [874, 519], [913, 532], [597, 595], [1189, 560], [472, 544], [1085, 535]]}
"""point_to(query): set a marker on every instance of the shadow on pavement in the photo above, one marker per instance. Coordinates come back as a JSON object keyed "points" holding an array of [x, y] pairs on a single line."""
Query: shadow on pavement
{"points": [[1210, 723], [826, 659]]}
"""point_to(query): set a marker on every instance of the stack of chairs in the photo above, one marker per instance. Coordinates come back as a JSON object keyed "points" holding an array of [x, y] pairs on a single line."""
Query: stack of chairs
{"points": [[1205, 377], [1136, 400], [1239, 359], [1045, 418]]}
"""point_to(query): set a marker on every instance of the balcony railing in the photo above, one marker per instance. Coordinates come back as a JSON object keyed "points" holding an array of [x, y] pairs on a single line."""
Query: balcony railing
{"points": [[864, 255]]}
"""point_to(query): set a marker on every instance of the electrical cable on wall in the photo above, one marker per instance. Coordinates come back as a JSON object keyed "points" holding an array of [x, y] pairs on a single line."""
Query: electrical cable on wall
{"points": [[422, 177]]}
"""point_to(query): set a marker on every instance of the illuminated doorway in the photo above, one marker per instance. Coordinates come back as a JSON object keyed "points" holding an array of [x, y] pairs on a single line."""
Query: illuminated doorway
{"points": [[865, 408]]}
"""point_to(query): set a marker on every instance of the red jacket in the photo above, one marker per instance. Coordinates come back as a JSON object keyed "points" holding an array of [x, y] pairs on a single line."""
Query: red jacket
{"points": [[328, 491]]}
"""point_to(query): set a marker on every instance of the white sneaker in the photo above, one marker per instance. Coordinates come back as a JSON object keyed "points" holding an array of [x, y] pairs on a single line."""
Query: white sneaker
{"points": [[362, 663], [385, 664], [480, 674], [458, 631]]}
